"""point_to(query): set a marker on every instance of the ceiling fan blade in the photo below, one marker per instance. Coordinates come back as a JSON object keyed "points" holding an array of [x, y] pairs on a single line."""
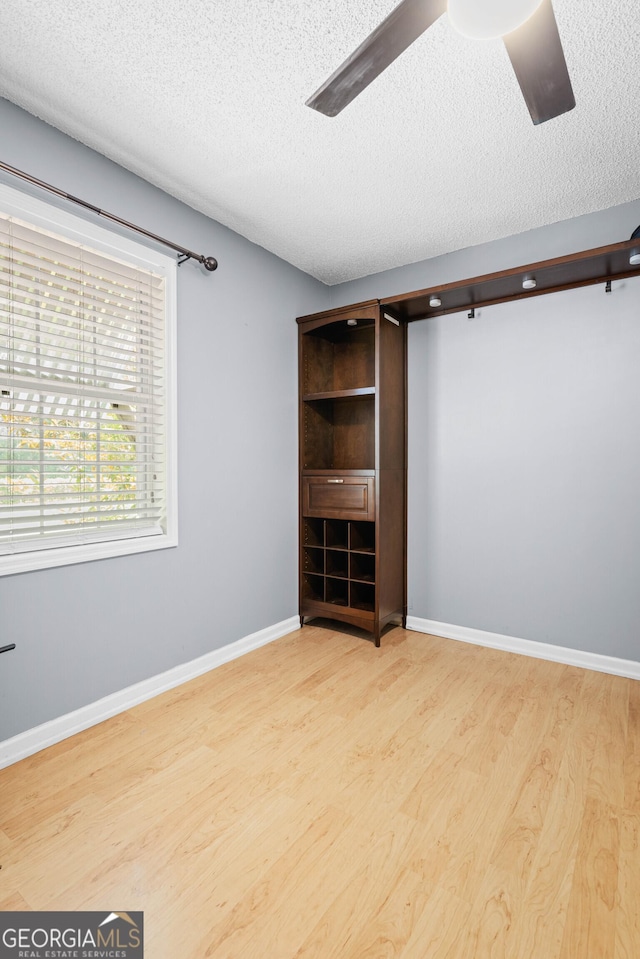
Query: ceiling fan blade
{"points": [[536, 55], [403, 25]]}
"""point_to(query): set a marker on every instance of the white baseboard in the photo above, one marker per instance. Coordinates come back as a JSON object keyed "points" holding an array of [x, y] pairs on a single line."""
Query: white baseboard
{"points": [[528, 647], [33, 740]]}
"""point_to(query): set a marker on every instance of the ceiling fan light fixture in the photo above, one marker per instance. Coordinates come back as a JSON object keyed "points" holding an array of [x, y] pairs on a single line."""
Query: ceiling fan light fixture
{"points": [[487, 19], [529, 283], [435, 302], [634, 259]]}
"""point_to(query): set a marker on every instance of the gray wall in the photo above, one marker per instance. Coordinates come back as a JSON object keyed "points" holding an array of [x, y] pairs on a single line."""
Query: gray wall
{"points": [[524, 458], [85, 631]]}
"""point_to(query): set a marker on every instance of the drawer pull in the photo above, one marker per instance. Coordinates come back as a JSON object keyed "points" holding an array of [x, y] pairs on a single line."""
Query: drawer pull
{"points": [[335, 481]]}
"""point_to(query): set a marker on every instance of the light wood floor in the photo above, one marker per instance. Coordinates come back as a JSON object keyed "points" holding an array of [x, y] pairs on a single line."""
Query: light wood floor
{"points": [[320, 798]]}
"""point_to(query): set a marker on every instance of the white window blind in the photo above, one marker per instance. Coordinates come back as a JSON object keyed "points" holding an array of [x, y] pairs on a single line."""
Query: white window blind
{"points": [[83, 417]]}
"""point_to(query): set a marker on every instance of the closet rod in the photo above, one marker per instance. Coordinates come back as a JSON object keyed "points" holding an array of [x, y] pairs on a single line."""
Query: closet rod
{"points": [[208, 262]]}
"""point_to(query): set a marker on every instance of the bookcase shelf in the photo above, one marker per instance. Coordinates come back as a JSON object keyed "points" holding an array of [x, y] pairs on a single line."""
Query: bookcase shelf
{"points": [[339, 358], [339, 432], [339, 394], [352, 467]]}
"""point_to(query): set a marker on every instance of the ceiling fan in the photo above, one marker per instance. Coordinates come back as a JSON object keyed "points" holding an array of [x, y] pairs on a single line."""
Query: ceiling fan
{"points": [[527, 27]]}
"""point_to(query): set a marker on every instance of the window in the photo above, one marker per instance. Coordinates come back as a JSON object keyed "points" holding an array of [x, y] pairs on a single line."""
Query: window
{"points": [[87, 390]]}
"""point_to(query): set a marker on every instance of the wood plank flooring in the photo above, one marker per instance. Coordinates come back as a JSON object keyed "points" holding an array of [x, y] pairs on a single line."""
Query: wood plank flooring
{"points": [[321, 799]]}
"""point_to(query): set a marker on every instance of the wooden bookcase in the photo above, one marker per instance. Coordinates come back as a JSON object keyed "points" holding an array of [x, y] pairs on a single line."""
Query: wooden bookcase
{"points": [[352, 399]]}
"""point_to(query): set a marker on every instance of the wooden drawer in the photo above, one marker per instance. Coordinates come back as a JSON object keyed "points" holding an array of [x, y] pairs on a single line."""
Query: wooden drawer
{"points": [[339, 497]]}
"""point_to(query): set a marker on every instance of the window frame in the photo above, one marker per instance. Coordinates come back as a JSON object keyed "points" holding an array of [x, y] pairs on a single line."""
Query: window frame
{"points": [[111, 243]]}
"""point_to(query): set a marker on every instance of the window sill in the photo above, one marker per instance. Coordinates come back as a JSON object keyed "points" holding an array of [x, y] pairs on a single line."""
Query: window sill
{"points": [[13, 563]]}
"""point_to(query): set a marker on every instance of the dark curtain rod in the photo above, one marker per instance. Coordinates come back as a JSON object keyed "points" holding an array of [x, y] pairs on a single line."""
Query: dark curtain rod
{"points": [[208, 262]]}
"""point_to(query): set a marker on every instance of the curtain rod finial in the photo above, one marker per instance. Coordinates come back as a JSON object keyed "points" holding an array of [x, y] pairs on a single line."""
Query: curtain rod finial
{"points": [[210, 263]]}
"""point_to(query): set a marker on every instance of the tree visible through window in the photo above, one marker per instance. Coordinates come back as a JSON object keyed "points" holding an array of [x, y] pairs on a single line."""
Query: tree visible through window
{"points": [[88, 461]]}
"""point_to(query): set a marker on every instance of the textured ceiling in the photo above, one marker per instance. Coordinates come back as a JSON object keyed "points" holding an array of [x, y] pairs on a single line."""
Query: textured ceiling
{"points": [[206, 100]]}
